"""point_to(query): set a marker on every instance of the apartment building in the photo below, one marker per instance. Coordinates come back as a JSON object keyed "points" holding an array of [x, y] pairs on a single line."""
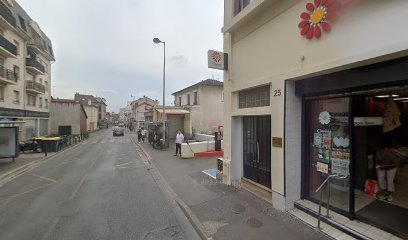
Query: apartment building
{"points": [[204, 100], [307, 95], [139, 108], [26, 55]]}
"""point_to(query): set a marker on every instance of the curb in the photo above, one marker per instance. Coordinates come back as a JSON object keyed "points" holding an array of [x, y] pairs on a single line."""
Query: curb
{"points": [[195, 222], [17, 172]]}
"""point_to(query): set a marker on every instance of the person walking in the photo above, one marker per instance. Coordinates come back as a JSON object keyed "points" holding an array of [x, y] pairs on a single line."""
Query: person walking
{"points": [[179, 141], [143, 132]]}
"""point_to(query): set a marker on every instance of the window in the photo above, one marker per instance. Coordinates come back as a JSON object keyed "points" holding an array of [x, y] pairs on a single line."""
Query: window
{"points": [[1, 94], [188, 99], [46, 103], [17, 47], [41, 80], [22, 23], [16, 97], [40, 102], [17, 72], [46, 85], [195, 98], [240, 4], [179, 101], [256, 97], [31, 100]]}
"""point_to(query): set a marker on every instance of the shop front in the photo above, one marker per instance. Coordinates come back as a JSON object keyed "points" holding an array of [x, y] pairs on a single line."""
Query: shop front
{"points": [[355, 129]]}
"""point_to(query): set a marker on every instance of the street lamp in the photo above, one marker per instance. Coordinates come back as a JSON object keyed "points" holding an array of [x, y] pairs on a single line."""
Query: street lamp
{"points": [[157, 41]]}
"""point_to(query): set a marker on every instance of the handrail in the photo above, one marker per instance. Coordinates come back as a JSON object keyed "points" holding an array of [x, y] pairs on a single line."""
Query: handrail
{"points": [[319, 189]]}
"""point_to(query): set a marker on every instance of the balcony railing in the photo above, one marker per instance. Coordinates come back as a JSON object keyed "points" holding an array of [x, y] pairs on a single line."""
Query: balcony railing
{"points": [[6, 14], [35, 86], [6, 44], [31, 62], [7, 74]]}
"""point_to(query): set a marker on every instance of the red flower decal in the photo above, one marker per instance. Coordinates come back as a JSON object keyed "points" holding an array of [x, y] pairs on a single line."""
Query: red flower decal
{"points": [[320, 14]]}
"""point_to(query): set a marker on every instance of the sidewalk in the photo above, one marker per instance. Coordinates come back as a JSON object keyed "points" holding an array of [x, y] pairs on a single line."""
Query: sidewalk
{"points": [[225, 212], [7, 164]]}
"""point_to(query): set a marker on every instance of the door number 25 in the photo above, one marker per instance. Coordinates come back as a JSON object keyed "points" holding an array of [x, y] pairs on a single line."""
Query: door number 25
{"points": [[277, 93]]}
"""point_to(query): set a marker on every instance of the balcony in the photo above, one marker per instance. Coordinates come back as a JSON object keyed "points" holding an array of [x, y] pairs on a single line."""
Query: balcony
{"points": [[35, 87], [7, 76], [6, 17], [33, 66], [38, 47], [7, 49]]}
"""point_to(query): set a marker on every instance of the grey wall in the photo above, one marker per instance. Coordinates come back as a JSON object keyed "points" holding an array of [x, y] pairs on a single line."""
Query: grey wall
{"points": [[65, 114]]}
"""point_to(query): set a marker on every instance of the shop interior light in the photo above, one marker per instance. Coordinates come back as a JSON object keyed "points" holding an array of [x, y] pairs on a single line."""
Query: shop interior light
{"points": [[386, 96], [399, 99]]}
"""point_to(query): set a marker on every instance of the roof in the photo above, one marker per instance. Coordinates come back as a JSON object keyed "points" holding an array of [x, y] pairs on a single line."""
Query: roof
{"points": [[172, 111], [60, 100], [207, 82], [23, 21], [84, 99]]}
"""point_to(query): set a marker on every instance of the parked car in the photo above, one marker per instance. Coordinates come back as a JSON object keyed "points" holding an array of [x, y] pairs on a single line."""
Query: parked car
{"points": [[31, 145], [118, 131]]}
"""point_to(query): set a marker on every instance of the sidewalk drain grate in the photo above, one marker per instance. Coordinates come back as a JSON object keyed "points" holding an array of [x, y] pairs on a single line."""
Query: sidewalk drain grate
{"points": [[254, 223], [237, 208]]}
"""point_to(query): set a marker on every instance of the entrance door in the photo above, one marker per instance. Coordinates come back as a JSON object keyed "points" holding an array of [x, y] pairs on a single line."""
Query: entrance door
{"points": [[257, 149], [329, 150]]}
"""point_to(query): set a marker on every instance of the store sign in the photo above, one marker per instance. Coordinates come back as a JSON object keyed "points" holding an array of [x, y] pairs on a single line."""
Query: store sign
{"points": [[217, 60], [367, 121], [318, 18]]}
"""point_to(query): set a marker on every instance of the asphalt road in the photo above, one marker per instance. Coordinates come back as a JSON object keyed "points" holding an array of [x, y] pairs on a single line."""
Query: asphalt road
{"points": [[100, 189]]}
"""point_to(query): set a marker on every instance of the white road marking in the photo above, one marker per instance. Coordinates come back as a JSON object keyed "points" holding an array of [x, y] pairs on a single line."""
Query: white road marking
{"points": [[128, 140], [45, 178], [94, 142], [120, 141], [111, 141], [119, 165], [29, 191], [81, 182], [51, 228], [103, 141]]}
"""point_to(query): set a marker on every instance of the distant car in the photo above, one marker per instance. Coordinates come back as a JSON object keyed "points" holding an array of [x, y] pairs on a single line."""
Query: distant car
{"points": [[118, 131]]}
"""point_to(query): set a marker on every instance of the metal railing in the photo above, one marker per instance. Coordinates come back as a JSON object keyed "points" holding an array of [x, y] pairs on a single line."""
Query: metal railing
{"points": [[6, 14], [326, 182], [8, 74], [31, 62], [38, 87], [6, 44]]}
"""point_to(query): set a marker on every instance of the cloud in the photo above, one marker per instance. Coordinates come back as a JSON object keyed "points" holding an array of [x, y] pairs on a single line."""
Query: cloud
{"points": [[179, 61], [109, 91]]}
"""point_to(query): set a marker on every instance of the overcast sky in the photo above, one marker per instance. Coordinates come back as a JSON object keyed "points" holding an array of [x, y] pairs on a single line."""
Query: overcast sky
{"points": [[105, 47]]}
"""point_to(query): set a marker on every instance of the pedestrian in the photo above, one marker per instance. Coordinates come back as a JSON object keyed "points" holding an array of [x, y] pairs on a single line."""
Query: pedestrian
{"points": [[179, 141], [139, 134], [143, 132]]}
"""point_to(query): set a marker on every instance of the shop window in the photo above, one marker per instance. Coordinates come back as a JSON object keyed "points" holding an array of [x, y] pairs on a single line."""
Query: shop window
{"points": [[256, 97], [43, 127], [329, 149], [31, 128]]}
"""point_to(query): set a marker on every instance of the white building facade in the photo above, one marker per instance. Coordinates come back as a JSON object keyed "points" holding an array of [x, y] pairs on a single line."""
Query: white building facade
{"points": [[26, 55], [302, 99], [204, 100]]}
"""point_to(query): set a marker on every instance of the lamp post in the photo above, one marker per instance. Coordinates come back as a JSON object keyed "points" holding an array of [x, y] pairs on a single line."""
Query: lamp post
{"points": [[157, 41]]}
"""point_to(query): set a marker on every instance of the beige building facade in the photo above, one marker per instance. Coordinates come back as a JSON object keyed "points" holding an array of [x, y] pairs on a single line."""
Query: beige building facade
{"points": [[309, 91], [139, 108], [26, 55], [205, 102]]}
